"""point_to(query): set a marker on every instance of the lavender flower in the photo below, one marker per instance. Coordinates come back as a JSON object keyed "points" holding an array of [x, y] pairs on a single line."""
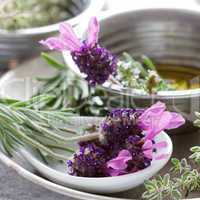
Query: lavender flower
{"points": [[128, 143], [120, 133], [120, 124], [93, 60]]}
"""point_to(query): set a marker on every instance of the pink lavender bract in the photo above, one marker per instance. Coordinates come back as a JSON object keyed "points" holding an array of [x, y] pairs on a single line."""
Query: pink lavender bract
{"points": [[96, 62], [118, 165], [156, 119], [128, 143]]}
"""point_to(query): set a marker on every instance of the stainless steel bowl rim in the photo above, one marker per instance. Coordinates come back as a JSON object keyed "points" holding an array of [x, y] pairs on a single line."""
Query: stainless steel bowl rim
{"points": [[179, 94], [94, 6]]}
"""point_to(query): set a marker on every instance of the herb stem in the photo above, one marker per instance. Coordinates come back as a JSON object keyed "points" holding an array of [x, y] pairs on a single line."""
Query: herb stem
{"points": [[86, 137], [51, 146], [114, 80]]}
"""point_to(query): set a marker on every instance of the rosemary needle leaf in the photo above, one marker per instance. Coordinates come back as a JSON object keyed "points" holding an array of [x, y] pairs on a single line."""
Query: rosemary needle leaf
{"points": [[52, 62], [23, 137], [7, 101], [23, 126], [34, 102]]}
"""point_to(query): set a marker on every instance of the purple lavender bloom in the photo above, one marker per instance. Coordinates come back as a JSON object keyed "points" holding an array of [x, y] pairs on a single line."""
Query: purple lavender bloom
{"points": [[97, 62], [93, 60], [90, 161], [127, 144], [134, 144], [118, 129], [119, 125]]}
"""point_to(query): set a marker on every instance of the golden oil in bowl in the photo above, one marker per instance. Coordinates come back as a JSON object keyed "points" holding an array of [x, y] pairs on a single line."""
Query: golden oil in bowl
{"points": [[181, 78]]}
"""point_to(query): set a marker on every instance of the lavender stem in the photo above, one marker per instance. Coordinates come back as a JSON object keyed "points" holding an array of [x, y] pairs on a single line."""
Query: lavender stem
{"points": [[83, 138]]}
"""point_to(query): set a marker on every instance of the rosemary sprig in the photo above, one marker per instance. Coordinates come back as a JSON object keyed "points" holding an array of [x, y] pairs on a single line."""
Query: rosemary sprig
{"points": [[21, 125], [70, 92]]}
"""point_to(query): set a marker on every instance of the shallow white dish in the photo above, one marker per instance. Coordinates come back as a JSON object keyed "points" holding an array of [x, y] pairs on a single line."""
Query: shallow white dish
{"points": [[57, 172]]}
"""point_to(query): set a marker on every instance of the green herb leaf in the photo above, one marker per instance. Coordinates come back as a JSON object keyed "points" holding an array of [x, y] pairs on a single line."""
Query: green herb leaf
{"points": [[52, 62], [18, 14], [148, 62], [196, 154], [142, 76]]}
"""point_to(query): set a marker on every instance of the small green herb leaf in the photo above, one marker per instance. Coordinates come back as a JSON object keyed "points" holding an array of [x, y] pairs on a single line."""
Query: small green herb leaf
{"points": [[52, 62]]}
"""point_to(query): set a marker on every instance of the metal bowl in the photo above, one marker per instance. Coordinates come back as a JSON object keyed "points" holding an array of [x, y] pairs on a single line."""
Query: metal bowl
{"points": [[168, 35], [24, 42]]}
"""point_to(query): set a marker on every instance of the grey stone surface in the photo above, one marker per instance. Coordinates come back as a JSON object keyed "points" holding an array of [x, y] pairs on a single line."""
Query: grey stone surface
{"points": [[13, 187]]}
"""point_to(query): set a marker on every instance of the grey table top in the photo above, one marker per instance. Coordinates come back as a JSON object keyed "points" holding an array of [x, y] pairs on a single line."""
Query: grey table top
{"points": [[13, 187]]}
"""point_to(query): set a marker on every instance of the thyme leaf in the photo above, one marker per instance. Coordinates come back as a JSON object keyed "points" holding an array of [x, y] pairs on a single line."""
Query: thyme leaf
{"points": [[140, 75]]}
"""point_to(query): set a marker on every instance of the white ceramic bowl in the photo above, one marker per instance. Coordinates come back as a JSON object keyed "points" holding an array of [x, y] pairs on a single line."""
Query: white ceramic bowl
{"points": [[57, 172]]}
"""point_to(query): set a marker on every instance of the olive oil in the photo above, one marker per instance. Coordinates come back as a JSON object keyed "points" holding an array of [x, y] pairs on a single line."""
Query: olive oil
{"points": [[180, 77]]}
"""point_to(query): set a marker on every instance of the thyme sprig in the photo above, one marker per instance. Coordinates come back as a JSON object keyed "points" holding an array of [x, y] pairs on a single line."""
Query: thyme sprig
{"points": [[182, 179], [140, 75], [196, 154]]}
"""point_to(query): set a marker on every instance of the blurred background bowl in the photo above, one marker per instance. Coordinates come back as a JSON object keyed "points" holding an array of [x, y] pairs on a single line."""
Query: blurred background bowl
{"points": [[168, 35], [24, 42]]}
